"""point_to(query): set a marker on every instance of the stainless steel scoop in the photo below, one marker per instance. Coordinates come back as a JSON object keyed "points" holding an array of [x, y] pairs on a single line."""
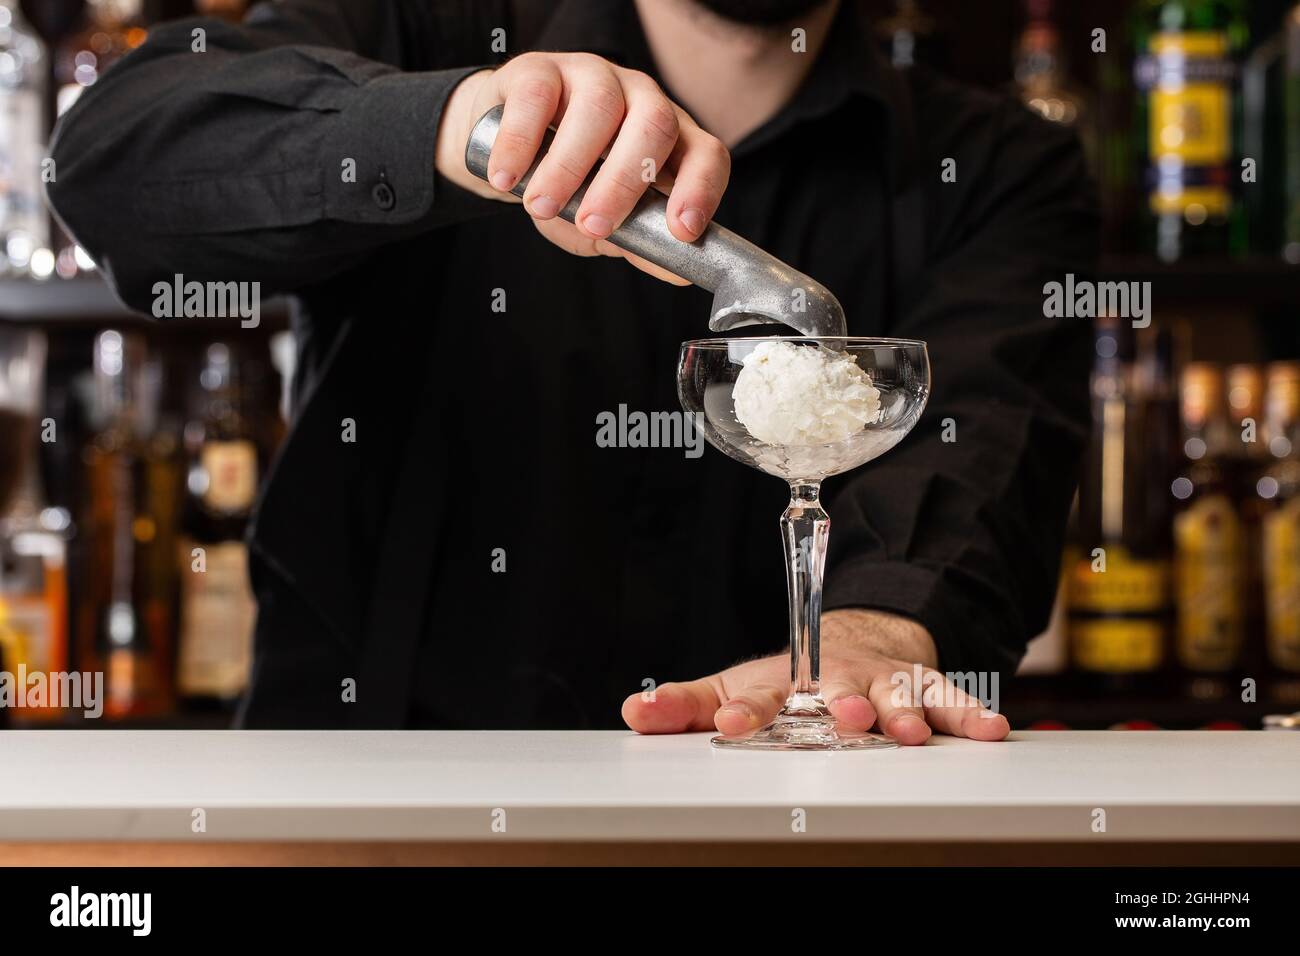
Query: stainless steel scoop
{"points": [[749, 286]]}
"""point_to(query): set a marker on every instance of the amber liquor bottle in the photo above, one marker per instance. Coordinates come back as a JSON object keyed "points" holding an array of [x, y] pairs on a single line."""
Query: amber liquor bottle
{"points": [[217, 608]]}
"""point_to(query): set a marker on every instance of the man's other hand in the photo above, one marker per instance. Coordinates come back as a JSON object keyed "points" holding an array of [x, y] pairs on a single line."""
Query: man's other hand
{"points": [[868, 661]]}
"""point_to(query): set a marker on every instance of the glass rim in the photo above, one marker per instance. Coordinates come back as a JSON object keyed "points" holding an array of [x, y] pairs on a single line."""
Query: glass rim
{"points": [[861, 341]]}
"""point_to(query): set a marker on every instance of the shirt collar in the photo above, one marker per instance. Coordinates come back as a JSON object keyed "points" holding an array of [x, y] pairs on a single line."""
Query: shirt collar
{"points": [[848, 67]]}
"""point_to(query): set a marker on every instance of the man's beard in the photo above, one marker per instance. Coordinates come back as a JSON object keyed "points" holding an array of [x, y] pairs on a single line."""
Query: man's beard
{"points": [[761, 12]]}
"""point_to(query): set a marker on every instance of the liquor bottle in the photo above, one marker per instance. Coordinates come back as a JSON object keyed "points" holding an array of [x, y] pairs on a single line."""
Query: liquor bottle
{"points": [[53, 19], [1123, 204], [110, 29], [6, 721], [217, 608], [160, 477], [225, 9], [1246, 457], [1278, 491], [17, 424], [1209, 541], [21, 358], [1291, 111], [909, 36], [1245, 385], [123, 627], [1119, 587], [34, 597], [24, 225], [33, 538], [1156, 461], [1041, 75], [284, 359], [1189, 124], [1263, 138]]}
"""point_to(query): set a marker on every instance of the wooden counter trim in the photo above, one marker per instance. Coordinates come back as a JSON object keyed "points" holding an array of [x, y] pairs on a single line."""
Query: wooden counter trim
{"points": [[524, 853]]}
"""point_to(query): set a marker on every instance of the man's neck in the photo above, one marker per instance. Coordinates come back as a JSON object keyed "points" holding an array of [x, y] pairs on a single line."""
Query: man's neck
{"points": [[732, 78]]}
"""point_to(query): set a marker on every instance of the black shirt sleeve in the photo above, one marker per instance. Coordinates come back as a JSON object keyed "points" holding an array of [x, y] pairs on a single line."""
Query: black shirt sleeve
{"points": [[281, 150], [961, 526]]}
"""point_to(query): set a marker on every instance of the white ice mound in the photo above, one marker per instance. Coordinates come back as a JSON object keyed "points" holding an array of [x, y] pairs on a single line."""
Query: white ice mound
{"points": [[789, 394]]}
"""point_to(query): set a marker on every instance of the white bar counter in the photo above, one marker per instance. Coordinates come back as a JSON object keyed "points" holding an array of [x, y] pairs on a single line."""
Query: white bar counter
{"points": [[575, 796]]}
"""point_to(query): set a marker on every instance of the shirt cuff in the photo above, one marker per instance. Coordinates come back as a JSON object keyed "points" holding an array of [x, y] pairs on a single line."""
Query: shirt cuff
{"points": [[962, 635], [386, 138]]}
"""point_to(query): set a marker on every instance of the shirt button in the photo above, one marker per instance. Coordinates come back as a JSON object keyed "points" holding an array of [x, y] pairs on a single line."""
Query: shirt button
{"points": [[384, 196]]}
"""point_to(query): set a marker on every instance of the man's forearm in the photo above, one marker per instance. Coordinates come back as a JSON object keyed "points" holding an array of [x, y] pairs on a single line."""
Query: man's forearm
{"points": [[164, 166]]}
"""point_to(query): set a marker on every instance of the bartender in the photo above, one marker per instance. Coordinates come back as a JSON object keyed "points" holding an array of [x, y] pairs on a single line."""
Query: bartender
{"points": [[443, 542]]}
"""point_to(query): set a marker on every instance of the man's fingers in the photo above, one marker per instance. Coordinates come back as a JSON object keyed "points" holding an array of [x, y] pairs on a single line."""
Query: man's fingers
{"points": [[701, 170], [600, 110], [567, 237], [749, 695], [979, 723], [735, 701], [644, 142], [849, 701], [593, 113], [572, 240], [898, 710], [672, 708], [531, 91], [750, 707], [962, 715]]}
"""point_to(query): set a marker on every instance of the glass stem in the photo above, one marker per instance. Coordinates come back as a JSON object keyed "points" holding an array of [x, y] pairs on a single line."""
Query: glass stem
{"points": [[805, 528]]}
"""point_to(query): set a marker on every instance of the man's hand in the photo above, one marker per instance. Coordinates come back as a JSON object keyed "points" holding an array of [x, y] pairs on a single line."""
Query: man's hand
{"points": [[598, 109], [862, 654]]}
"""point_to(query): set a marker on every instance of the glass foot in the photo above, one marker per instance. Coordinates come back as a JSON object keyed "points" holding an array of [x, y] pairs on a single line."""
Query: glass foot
{"points": [[805, 732]]}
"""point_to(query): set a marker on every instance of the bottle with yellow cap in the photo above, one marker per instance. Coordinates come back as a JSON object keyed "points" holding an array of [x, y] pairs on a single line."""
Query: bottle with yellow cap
{"points": [[5, 637], [1247, 457], [1118, 584], [123, 625], [1245, 396], [1278, 492], [1209, 542]]}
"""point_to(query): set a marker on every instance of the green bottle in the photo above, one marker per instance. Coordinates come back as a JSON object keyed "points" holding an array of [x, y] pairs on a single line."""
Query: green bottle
{"points": [[1189, 125], [1291, 247]]}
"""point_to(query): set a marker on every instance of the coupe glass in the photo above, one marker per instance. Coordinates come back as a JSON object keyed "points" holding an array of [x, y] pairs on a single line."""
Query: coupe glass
{"points": [[706, 376]]}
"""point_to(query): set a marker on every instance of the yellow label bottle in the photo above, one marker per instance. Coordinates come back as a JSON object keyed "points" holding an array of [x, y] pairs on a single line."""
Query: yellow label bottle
{"points": [[1281, 567], [1209, 551], [1117, 611], [1190, 121]]}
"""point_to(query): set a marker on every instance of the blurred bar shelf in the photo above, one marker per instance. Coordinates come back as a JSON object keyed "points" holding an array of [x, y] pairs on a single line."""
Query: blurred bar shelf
{"points": [[89, 301], [1260, 280], [1033, 700]]}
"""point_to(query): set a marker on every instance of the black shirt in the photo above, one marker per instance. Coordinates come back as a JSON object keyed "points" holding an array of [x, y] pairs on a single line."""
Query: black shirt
{"points": [[378, 561]]}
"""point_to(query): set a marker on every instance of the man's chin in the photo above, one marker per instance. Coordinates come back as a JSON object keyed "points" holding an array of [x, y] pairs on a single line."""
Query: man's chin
{"points": [[761, 12]]}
